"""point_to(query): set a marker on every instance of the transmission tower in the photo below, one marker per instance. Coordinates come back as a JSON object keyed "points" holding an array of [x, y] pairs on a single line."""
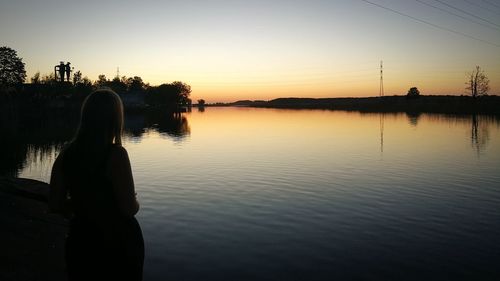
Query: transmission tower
{"points": [[381, 90]]}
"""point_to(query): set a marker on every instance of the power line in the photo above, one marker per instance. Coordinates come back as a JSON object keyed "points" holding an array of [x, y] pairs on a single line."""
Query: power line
{"points": [[432, 24], [467, 13], [475, 4], [458, 15], [493, 4]]}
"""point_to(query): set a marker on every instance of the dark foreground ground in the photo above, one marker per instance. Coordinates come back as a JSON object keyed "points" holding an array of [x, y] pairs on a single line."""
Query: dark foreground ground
{"points": [[31, 239]]}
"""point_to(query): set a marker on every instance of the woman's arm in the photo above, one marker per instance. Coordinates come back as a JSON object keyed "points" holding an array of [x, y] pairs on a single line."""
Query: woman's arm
{"points": [[58, 194], [120, 173]]}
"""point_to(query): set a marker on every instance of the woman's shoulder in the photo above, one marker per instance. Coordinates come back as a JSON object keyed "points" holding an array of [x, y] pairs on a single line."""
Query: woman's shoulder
{"points": [[59, 160], [67, 151], [118, 161], [67, 148], [117, 148], [62, 152], [118, 152]]}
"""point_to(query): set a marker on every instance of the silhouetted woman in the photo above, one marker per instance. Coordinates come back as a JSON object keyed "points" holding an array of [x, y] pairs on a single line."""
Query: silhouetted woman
{"points": [[92, 181]]}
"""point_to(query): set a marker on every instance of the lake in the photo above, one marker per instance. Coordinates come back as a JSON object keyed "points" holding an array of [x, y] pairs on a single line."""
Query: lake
{"points": [[262, 194]]}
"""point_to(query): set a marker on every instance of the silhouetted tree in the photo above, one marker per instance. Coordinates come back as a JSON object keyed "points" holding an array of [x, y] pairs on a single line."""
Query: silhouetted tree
{"points": [[413, 93], [477, 83], [82, 88], [173, 95], [201, 102], [165, 94], [183, 92], [36, 78], [77, 77], [86, 81], [101, 81], [12, 70], [118, 85], [48, 79], [135, 84]]}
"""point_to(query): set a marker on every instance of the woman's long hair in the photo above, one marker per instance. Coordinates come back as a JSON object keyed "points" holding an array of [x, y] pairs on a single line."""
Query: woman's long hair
{"points": [[101, 125], [101, 121]]}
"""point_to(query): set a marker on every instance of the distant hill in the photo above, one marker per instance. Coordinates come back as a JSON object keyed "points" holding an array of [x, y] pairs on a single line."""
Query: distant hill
{"points": [[246, 102], [431, 104]]}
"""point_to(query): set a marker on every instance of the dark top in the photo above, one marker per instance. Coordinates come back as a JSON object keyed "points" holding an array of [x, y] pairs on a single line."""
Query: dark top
{"points": [[102, 243]]}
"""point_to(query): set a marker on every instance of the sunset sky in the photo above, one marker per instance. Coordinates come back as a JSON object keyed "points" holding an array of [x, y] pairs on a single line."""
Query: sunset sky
{"points": [[233, 50]]}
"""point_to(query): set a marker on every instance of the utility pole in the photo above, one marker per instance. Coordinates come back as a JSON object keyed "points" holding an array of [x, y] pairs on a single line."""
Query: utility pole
{"points": [[118, 72], [381, 90]]}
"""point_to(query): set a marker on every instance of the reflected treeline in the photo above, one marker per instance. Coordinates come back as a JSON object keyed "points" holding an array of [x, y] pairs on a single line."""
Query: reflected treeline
{"points": [[173, 125], [413, 118], [35, 133], [30, 135], [463, 119], [479, 125]]}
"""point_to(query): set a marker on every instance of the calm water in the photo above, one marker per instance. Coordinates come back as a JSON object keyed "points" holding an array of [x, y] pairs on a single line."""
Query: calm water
{"points": [[263, 194]]}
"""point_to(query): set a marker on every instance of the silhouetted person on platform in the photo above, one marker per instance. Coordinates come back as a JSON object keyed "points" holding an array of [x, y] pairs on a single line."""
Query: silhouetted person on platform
{"points": [[62, 70], [68, 70], [92, 182]]}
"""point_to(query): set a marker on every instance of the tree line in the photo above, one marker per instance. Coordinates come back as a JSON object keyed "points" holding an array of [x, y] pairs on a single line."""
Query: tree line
{"points": [[477, 84], [12, 74], [47, 87]]}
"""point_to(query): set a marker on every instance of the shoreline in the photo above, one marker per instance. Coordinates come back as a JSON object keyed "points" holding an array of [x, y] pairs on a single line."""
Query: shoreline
{"points": [[488, 105], [32, 239]]}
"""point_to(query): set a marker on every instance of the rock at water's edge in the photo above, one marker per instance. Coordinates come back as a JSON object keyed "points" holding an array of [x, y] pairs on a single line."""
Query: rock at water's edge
{"points": [[31, 238]]}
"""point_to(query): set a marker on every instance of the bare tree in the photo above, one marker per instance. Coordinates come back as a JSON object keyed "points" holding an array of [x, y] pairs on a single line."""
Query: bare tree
{"points": [[477, 83]]}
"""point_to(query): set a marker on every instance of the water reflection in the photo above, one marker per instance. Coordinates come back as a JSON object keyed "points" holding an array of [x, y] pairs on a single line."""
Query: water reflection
{"points": [[382, 118], [174, 126], [479, 131], [413, 118], [288, 186], [33, 136], [479, 125], [480, 134]]}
